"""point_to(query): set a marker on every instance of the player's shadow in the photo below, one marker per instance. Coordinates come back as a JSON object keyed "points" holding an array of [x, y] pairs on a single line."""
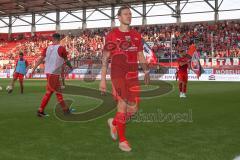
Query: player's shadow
{"points": [[108, 104]]}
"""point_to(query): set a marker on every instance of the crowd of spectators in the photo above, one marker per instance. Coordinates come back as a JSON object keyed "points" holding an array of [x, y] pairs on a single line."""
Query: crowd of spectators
{"points": [[221, 39]]}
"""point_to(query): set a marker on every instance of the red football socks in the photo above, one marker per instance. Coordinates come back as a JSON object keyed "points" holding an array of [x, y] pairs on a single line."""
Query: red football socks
{"points": [[180, 87], [120, 123], [47, 97], [45, 100]]}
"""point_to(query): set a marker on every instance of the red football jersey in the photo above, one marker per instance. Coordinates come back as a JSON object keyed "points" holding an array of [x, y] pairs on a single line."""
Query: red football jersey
{"points": [[182, 69], [124, 48], [62, 52]]}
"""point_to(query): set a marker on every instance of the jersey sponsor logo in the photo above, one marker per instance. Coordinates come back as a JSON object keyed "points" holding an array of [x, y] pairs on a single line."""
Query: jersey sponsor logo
{"points": [[132, 49]]}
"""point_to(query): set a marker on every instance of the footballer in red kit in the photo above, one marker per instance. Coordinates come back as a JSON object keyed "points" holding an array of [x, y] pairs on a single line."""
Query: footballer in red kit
{"points": [[55, 56], [183, 62], [124, 47], [124, 67]]}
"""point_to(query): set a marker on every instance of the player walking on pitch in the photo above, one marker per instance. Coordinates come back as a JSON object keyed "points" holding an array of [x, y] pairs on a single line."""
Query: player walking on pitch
{"points": [[55, 56], [125, 48], [182, 72]]}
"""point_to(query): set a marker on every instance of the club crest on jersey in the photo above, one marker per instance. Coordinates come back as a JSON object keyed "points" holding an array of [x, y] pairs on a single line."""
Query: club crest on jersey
{"points": [[128, 38], [124, 45]]}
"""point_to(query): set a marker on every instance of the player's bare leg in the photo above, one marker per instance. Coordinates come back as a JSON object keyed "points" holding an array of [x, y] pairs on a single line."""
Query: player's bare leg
{"points": [[11, 86], [132, 109], [21, 85]]}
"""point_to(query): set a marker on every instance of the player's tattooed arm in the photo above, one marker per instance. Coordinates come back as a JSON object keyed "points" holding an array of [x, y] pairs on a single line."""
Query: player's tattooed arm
{"points": [[103, 85], [143, 62], [105, 59], [40, 60]]}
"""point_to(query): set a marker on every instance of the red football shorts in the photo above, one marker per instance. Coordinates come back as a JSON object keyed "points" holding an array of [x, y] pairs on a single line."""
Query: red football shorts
{"points": [[126, 89], [183, 77], [18, 76], [53, 83]]}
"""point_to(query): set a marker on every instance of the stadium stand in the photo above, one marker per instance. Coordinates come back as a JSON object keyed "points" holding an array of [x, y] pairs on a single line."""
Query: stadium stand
{"points": [[221, 39]]}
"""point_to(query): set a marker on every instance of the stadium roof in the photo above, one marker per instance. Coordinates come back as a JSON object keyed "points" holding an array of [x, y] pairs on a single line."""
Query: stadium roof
{"points": [[20, 7]]}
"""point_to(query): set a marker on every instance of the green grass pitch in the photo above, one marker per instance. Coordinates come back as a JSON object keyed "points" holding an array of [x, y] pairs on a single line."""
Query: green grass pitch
{"points": [[213, 133]]}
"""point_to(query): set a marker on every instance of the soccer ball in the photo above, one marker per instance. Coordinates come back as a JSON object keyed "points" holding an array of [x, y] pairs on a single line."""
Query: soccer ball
{"points": [[8, 88]]}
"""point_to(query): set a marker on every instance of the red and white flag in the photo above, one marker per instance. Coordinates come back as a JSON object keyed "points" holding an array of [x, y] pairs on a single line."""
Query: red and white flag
{"points": [[149, 54]]}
